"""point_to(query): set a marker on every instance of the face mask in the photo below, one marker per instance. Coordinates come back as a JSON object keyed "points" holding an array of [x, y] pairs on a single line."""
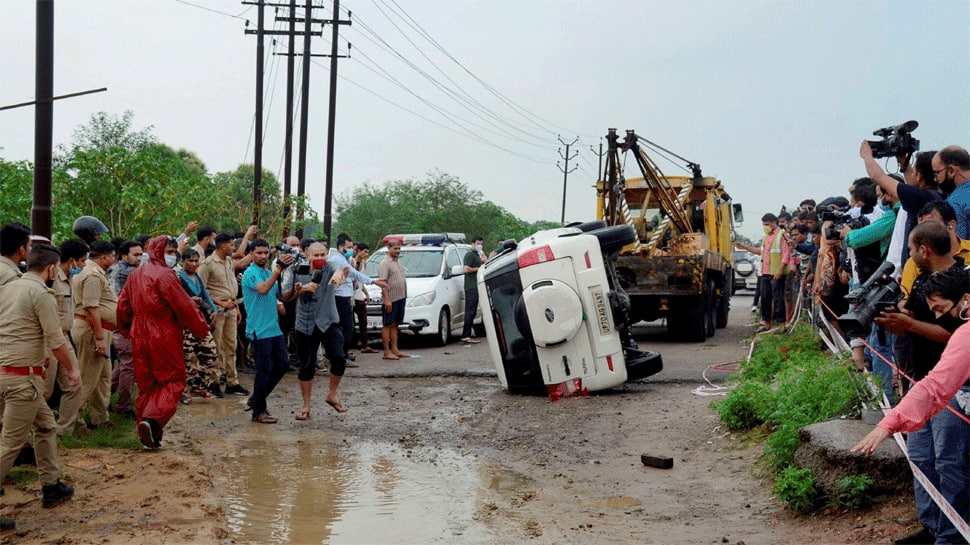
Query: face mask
{"points": [[71, 271], [478, 247], [171, 260], [349, 253], [50, 281], [319, 263], [960, 314], [768, 230]]}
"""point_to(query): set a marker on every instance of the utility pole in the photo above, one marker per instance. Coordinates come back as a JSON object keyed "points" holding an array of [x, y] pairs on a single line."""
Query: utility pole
{"points": [[40, 211], [565, 172], [328, 195], [288, 152], [291, 33], [600, 155]]}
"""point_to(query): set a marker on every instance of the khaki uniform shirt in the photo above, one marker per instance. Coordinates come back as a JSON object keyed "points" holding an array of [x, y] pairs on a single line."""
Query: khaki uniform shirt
{"points": [[65, 301], [9, 271], [219, 278], [28, 322], [392, 272], [92, 290]]}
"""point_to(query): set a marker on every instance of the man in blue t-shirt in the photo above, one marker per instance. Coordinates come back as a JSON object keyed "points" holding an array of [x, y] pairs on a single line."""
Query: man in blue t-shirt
{"points": [[951, 168], [263, 327]]}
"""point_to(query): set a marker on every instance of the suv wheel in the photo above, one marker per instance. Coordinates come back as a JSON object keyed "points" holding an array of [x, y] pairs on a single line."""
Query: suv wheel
{"points": [[444, 327]]}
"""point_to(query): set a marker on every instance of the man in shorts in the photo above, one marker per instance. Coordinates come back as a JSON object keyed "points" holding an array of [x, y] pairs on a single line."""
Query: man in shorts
{"points": [[395, 296]]}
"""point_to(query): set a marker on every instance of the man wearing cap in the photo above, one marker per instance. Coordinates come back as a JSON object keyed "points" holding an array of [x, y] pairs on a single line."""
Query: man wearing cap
{"points": [[95, 307], [29, 326]]}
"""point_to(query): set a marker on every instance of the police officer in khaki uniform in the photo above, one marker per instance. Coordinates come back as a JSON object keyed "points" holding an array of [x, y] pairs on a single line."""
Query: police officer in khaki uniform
{"points": [[219, 277], [74, 254], [95, 308], [29, 326], [14, 247]]}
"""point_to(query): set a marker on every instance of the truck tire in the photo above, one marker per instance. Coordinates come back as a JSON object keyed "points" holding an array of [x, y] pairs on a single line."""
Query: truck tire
{"points": [[710, 307], [613, 238], [588, 226], [724, 302], [687, 322]]}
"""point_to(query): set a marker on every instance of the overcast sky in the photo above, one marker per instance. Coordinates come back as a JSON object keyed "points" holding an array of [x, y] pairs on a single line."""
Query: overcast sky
{"points": [[772, 97]]}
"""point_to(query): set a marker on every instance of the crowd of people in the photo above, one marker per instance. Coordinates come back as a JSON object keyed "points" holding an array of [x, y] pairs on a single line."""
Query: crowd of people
{"points": [[179, 323], [917, 220]]}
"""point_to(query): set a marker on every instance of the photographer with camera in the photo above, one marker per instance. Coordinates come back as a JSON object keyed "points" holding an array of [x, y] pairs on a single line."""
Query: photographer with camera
{"points": [[775, 256], [871, 244], [941, 446], [919, 188]]}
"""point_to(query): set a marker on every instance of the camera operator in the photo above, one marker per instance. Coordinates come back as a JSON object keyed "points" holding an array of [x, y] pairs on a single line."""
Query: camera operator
{"points": [[936, 448], [871, 244], [775, 255], [918, 189]]}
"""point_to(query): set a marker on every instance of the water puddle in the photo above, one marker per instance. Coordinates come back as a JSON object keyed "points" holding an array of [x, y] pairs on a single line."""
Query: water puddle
{"points": [[317, 489]]}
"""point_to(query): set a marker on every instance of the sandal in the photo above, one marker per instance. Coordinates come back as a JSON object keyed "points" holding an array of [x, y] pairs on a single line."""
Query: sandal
{"points": [[368, 350], [303, 415]]}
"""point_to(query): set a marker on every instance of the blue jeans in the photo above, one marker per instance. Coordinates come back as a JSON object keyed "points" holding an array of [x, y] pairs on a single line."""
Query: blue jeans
{"points": [[471, 308], [880, 368], [941, 450], [272, 362]]}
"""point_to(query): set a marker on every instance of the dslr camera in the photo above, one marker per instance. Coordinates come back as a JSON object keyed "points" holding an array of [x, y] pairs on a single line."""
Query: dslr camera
{"points": [[880, 293], [896, 140], [300, 261]]}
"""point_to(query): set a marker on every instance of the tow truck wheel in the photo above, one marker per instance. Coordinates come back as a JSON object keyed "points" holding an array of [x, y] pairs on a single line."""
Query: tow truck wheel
{"points": [[710, 308], [444, 327]]}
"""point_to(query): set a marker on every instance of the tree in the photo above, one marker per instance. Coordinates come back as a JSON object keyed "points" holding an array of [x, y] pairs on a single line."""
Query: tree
{"points": [[441, 203]]}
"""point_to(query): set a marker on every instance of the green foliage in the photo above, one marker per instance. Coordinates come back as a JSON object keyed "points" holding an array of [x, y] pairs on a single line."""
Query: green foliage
{"points": [[747, 406], [788, 384], [855, 491], [796, 487], [441, 203], [21, 476]]}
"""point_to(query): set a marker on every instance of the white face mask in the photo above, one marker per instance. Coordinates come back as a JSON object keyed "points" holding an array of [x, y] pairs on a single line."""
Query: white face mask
{"points": [[171, 260], [963, 308]]}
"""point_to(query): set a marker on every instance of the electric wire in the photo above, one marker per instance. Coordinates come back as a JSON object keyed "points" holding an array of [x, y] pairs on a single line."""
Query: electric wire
{"points": [[469, 101], [390, 50]]}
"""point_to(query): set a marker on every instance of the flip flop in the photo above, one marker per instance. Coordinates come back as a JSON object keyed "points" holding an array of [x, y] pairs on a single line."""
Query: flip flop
{"points": [[391, 358], [303, 415], [402, 355], [337, 406], [368, 351], [469, 340]]}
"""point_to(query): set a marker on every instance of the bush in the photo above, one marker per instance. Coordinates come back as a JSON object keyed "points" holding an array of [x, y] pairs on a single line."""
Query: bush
{"points": [[855, 491], [796, 487], [746, 407]]}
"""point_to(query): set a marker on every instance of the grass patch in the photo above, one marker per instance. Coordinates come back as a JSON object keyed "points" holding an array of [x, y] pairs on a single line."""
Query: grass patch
{"points": [[788, 383], [122, 436], [21, 476]]}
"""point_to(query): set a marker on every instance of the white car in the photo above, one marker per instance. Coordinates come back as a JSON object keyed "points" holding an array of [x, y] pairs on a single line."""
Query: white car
{"points": [[555, 314], [434, 267]]}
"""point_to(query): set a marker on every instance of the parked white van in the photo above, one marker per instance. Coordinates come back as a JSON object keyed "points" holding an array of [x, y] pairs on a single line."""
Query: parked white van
{"points": [[434, 267]]}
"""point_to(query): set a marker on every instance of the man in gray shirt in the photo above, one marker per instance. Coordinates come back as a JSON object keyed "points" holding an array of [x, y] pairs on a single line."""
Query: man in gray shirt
{"points": [[318, 322]]}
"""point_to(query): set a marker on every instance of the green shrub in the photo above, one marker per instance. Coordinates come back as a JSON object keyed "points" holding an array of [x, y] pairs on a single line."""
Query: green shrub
{"points": [[796, 487], [855, 491], [746, 407]]}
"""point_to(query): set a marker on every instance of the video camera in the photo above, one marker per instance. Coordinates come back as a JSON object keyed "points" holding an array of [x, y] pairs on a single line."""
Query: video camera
{"points": [[300, 261], [880, 293], [896, 140], [839, 219]]}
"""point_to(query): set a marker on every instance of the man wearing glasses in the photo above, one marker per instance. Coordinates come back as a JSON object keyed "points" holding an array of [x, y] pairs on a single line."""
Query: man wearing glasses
{"points": [[951, 169]]}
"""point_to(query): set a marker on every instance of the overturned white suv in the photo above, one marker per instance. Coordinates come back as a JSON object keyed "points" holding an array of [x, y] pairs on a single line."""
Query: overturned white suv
{"points": [[555, 314]]}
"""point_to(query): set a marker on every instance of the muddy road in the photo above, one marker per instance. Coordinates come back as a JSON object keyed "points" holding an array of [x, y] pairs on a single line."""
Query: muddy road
{"points": [[432, 451]]}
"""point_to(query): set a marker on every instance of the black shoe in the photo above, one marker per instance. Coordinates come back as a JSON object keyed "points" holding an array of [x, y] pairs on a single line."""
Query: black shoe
{"points": [[237, 390], [216, 391], [921, 537], [7, 524], [57, 493]]}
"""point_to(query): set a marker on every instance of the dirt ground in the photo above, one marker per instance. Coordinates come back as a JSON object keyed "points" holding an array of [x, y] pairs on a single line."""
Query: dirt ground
{"points": [[579, 474]]}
